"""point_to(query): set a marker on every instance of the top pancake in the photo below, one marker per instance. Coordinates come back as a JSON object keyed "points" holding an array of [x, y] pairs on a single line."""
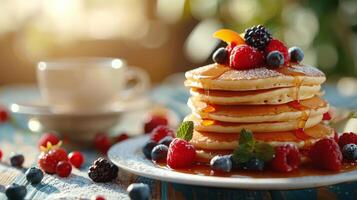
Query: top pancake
{"points": [[219, 77]]}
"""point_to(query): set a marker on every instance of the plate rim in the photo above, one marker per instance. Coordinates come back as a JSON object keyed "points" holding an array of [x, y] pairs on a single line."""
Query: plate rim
{"points": [[306, 182]]}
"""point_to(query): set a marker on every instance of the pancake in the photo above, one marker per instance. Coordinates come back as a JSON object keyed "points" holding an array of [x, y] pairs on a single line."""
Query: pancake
{"points": [[258, 97], [228, 141], [228, 127], [219, 77], [258, 113]]}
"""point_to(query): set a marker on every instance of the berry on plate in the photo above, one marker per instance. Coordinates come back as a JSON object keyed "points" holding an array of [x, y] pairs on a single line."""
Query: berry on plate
{"points": [[275, 59], [76, 158], [347, 138], [34, 175], [154, 121], [230, 48], [254, 165], [15, 191], [181, 154], [159, 152], [139, 191], [160, 132], [48, 138], [221, 56], [327, 116], [277, 45], [296, 54], [103, 171], [287, 158], [63, 169], [147, 148], [349, 152], [229, 36], [326, 154], [48, 161], [166, 140], [257, 36], [246, 57], [102, 143], [221, 163], [16, 160]]}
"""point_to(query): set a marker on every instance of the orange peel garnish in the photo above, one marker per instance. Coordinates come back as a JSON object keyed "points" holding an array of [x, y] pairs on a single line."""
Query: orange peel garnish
{"points": [[229, 36], [49, 146]]}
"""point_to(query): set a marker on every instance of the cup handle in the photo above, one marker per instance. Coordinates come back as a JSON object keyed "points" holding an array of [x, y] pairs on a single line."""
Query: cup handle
{"points": [[142, 84]]}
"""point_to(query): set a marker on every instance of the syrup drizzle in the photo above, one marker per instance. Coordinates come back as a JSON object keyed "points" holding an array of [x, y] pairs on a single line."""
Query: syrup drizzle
{"points": [[214, 72]]}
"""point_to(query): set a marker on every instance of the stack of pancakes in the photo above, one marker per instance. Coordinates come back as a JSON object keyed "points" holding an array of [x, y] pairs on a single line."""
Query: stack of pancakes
{"points": [[280, 106]]}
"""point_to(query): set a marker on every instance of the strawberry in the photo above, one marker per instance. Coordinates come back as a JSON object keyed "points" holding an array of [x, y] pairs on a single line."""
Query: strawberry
{"points": [[347, 138], [277, 45], [287, 158], [48, 160], [326, 154], [160, 132], [47, 137], [246, 57], [181, 154]]}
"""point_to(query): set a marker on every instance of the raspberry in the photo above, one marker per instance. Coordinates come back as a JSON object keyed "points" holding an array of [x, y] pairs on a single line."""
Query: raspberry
{"points": [[326, 154], [181, 154], [287, 158], [276, 45], [245, 57], [257, 36], [230, 47], [4, 115], [155, 121], [121, 137], [63, 169], [102, 143], [48, 137], [48, 160], [76, 158], [347, 138], [98, 198], [160, 132]]}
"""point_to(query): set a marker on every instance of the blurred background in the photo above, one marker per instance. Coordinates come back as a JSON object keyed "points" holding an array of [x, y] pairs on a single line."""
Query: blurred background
{"points": [[168, 36]]}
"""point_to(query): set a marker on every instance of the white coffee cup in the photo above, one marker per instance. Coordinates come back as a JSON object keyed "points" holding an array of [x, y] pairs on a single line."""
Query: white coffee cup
{"points": [[73, 85]]}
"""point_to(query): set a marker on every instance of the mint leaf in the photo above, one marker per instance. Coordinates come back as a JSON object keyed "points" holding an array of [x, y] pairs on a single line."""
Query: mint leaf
{"points": [[264, 151], [246, 136], [185, 131], [243, 153]]}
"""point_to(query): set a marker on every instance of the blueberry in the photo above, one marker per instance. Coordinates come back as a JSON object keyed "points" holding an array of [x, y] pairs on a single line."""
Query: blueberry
{"points": [[255, 164], [15, 192], [139, 191], [275, 59], [34, 175], [349, 152], [16, 160], [235, 165], [296, 54], [166, 140], [220, 56], [159, 152], [148, 148], [221, 163]]}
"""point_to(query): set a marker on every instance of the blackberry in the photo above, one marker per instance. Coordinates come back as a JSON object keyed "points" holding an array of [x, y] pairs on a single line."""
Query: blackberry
{"points": [[103, 171], [257, 36]]}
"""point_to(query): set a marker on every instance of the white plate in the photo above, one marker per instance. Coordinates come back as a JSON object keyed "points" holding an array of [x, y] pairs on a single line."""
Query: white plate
{"points": [[127, 155]]}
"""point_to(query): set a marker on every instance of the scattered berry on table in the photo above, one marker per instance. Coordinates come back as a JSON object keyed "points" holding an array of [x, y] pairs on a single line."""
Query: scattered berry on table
{"points": [[103, 171], [16, 160], [76, 158], [220, 56], [275, 59], [63, 169], [166, 140], [160, 132], [286, 159], [276, 45], [159, 153], [4, 115], [221, 163], [48, 161], [99, 197], [257, 36], [155, 121], [255, 165], [349, 152], [147, 148], [296, 54], [121, 137], [1, 154], [102, 143], [34, 175], [15, 192], [326, 154], [246, 57], [48, 137], [139, 191], [347, 138], [181, 154]]}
